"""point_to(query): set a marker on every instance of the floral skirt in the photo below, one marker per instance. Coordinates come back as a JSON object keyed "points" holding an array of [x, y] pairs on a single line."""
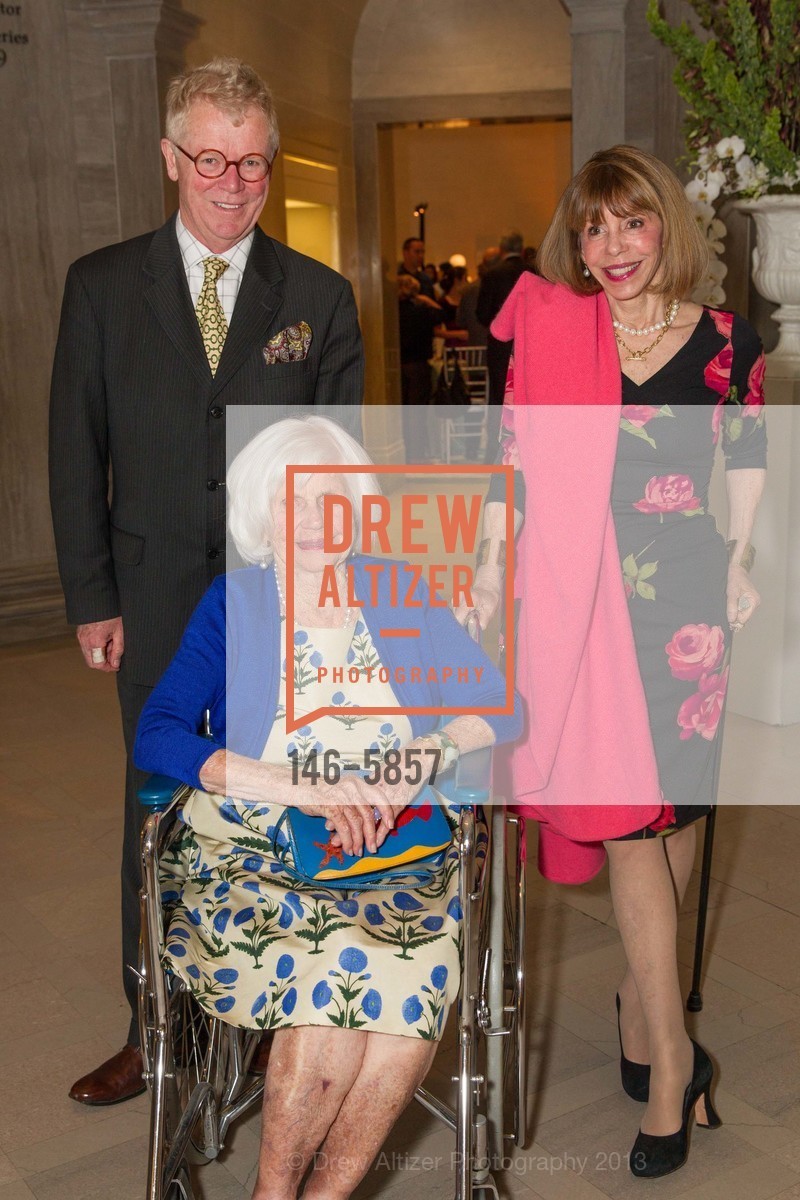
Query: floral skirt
{"points": [[675, 577], [262, 951]]}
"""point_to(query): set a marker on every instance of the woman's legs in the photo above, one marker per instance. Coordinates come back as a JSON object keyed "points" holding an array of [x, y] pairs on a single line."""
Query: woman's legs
{"points": [[644, 896], [391, 1071], [336, 1091], [309, 1074], [680, 848]]}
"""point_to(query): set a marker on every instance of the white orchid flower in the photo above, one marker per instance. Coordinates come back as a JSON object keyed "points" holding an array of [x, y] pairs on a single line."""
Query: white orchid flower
{"points": [[746, 172], [704, 158], [730, 147], [703, 214], [702, 190]]}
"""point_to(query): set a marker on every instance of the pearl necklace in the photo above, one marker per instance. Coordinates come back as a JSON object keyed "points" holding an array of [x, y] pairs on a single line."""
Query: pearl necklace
{"points": [[665, 325], [347, 616], [669, 317]]}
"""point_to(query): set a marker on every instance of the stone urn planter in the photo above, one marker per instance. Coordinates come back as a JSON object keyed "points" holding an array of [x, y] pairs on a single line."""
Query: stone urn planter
{"points": [[776, 274]]}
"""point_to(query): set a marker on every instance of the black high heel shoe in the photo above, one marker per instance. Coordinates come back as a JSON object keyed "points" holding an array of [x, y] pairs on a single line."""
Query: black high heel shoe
{"points": [[635, 1076], [653, 1156]]}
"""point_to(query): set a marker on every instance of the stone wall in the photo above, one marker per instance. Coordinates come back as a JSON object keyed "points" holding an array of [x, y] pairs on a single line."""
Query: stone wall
{"points": [[80, 168]]}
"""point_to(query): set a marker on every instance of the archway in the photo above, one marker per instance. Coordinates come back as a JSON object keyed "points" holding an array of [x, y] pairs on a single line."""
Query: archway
{"points": [[508, 61]]}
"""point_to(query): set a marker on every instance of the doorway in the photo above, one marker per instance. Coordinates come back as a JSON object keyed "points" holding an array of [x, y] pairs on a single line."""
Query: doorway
{"points": [[312, 208]]}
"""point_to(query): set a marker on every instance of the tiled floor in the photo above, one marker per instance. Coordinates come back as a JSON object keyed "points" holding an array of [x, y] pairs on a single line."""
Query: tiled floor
{"points": [[62, 1010]]}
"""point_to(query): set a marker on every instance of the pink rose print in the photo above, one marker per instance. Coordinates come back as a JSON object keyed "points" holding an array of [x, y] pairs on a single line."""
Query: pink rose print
{"points": [[754, 400], [717, 373], [508, 391], [665, 819], [695, 650], [639, 414], [722, 320], [669, 493], [702, 711]]}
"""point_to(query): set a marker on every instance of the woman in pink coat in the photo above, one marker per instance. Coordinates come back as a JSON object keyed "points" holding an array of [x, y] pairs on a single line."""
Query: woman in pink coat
{"points": [[621, 390]]}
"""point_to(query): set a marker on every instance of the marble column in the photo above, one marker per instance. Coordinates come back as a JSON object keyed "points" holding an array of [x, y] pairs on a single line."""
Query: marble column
{"points": [[81, 169], [598, 75], [121, 56], [376, 286]]}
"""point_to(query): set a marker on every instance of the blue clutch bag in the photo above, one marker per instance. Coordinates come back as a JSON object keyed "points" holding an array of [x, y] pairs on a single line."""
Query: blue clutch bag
{"points": [[413, 851]]}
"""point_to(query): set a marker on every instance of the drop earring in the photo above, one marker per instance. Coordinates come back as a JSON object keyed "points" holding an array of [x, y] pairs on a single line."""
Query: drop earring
{"points": [[586, 271]]}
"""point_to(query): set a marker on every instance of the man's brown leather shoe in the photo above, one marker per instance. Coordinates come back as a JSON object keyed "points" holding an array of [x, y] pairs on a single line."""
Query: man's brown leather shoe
{"points": [[117, 1079], [260, 1059]]}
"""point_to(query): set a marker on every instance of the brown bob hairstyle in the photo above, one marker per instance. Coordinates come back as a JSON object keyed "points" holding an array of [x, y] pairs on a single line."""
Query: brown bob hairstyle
{"points": [[627, 181]]}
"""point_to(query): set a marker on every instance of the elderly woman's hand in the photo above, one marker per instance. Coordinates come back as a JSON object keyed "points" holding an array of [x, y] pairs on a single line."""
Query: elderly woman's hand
{"points": [[360, 815], [487, 592], [743, 599]]}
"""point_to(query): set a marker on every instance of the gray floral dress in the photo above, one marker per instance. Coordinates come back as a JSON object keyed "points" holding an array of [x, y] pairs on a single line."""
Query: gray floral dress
{"points": [[674, 561]]}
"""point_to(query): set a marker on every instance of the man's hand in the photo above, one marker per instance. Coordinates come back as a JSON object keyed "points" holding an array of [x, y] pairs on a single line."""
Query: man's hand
{"points": [[102, 644]]}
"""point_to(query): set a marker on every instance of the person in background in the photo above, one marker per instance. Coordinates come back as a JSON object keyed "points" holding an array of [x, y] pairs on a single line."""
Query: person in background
{"points": [[412, 264], [449, 303], [420, 319], [466, 318], [496, 286], [432, 271]]}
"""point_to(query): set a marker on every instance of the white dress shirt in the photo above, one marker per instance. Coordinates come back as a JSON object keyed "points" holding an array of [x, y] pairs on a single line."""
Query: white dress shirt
{"points": [[193, 253]]}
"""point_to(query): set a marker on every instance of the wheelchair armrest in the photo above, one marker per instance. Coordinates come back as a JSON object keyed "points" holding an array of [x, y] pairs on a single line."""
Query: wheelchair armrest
{"points": [[470, 782], [157, 793]]}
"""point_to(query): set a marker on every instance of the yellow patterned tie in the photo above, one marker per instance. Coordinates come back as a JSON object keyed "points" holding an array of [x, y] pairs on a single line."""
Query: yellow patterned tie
{"points": [[210, 314]]}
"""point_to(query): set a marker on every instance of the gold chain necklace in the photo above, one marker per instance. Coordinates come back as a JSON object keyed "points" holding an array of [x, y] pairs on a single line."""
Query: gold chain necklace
{"points": [[669, 317]]}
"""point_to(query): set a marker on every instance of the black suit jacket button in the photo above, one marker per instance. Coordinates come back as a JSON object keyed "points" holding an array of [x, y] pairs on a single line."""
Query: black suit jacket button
{"points": [[213, 554], [216, 412], [212, 485]]}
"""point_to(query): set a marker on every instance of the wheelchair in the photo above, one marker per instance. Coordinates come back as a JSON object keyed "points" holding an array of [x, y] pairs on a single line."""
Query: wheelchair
{"points": [[196, 1065]]}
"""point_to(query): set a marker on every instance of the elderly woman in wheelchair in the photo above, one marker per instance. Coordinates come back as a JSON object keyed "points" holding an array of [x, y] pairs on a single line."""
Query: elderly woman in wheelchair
{"points": [[356, 983]]}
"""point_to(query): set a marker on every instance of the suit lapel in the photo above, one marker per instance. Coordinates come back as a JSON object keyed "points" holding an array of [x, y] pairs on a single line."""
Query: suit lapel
{"points": [[260, 297], [167, 293]]}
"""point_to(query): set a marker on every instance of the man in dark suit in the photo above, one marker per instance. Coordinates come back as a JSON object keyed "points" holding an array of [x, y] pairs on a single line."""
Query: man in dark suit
{"points": [[413, 264], [496, 286], [159, 337]]}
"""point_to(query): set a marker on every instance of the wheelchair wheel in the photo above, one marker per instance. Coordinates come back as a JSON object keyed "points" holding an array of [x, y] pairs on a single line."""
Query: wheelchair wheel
{"points": [[186, 1060], [505, 988], [183, 1049]]}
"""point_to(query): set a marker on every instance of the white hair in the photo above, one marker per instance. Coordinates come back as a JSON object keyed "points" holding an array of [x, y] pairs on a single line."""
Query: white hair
{"points": [[258, 472]]}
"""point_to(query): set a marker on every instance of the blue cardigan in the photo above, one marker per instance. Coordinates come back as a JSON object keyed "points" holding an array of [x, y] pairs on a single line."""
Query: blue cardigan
{"points": [[229, 662]]}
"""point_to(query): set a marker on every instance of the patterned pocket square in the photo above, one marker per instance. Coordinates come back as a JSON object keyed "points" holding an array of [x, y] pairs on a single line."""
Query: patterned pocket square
{"points": [[290, 345]]}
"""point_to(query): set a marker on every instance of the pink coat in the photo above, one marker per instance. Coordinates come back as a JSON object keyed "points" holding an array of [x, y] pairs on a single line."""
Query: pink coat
{"points": [[585, 767]]}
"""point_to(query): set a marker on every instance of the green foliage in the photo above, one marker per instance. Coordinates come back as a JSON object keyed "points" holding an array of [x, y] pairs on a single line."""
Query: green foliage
{"points": [[741, 78]]}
